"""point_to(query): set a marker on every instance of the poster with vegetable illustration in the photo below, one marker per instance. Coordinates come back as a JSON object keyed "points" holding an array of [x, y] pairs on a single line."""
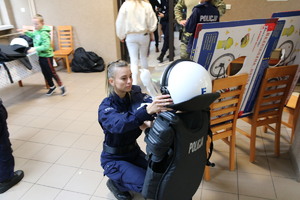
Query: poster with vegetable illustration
{"points": [[289, 40], [235, 47]]}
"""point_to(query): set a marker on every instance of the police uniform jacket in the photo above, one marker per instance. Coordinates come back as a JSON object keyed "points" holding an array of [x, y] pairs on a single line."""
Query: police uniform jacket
{"points": [[202, 13], [165, 11], [120, 118]]}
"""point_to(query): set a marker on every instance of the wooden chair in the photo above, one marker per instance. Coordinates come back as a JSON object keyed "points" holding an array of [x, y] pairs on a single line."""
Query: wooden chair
{"points": [[224, 113], [65, 45], [269, 105], [292, 108]]}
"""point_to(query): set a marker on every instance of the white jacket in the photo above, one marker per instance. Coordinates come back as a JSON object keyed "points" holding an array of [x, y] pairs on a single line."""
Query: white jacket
{"points": [[135, 17]]}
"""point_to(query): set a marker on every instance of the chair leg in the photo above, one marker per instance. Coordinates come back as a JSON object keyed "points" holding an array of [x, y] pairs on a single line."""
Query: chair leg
{"points": [[293, 122], [252, 143], [277, 139], [265, 129], [20, 83], [68, 65], [232, 153], [292, 134], [207, 173], [207, 168]]}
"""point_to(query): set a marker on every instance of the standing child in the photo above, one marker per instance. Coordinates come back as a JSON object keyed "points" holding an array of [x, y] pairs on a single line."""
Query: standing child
{"points": [[42, 45]]}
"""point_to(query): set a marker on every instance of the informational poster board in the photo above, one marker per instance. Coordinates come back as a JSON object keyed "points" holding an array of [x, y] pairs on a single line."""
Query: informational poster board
{"points": [[216, 45], [289, 40]]}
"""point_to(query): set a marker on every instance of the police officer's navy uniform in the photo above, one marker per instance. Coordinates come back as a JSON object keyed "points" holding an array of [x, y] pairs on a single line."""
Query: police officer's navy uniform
{"points": [[6, 158], [202, 13], [8, 178], [122, 159], [164, 21]]}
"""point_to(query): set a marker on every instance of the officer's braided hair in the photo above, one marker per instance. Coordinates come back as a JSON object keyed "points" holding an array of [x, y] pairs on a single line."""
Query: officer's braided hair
{"points": [[111, 68]]}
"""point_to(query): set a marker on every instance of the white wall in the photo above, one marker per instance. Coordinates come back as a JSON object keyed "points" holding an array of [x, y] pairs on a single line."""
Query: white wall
{"points": [[93, 22]]}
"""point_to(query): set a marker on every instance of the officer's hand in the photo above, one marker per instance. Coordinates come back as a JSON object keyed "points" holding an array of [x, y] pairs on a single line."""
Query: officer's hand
{"points": [[161, 15], [183, 22], [145, 125], [159, 104]]}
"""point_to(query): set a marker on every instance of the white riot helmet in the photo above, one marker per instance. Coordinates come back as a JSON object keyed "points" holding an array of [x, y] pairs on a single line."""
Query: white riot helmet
{"points": [[185, 79], [19, 41]]}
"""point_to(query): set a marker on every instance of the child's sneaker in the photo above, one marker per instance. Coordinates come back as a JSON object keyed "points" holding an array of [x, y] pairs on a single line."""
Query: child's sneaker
{"points": [[51, 91], [63, 90]]}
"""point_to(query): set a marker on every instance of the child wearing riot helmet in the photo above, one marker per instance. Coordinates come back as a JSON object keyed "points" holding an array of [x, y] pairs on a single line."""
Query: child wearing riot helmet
{"points": [[42, 45], [122, 116]]}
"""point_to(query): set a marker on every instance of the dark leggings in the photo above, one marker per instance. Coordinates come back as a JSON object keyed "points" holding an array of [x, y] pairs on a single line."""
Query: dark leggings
{"points": [[49, 71]]}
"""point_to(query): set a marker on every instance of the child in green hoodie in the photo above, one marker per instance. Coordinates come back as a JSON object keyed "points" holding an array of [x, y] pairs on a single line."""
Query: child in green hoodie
{"points": [[42, 45]]}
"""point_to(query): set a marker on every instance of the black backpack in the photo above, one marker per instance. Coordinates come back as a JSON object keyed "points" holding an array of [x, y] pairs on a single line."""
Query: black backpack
{"points": [[87, 61]]}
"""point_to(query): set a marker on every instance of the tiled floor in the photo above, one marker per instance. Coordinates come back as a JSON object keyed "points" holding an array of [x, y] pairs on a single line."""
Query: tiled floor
{"points": [[57, 141]]}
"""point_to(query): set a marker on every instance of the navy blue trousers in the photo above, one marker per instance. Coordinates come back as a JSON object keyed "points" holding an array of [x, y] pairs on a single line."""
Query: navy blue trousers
{"points": [[128, 172], [165, 29], [7, 162]]}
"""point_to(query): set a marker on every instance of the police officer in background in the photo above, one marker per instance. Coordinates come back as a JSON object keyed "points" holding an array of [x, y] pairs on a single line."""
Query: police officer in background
{"points": [[164, 21], [155, 6], [185, 7], [8, 178], [205, 12]]}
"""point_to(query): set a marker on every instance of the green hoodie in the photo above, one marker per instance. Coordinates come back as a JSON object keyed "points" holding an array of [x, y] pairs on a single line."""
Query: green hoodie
{"points": [[42, 41]]}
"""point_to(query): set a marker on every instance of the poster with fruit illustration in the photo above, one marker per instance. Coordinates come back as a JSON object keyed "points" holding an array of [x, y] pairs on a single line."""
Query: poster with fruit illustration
{"points": [[235, 47], [289, 40]]}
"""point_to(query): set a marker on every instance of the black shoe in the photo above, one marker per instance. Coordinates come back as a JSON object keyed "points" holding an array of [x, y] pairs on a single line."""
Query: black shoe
{"points": [[156, 49], [51, 91], [63, 90], [6, 185], [161, 58], [117, 193]]}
